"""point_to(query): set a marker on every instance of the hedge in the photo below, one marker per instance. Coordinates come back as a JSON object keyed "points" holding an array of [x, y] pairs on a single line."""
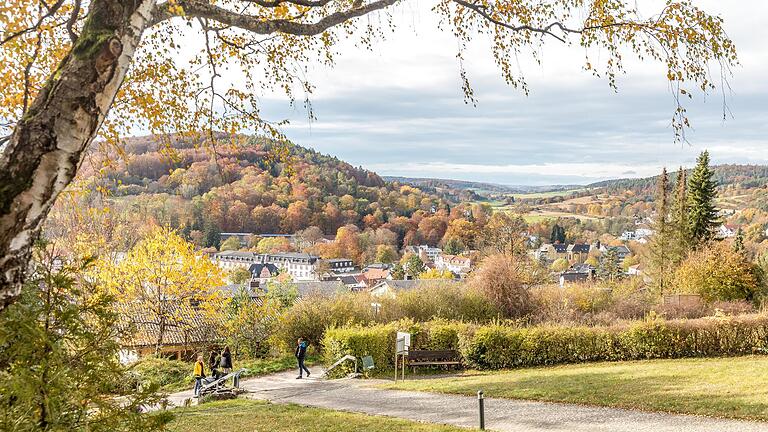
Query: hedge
{"points": [[503, 346], [378, 341]]}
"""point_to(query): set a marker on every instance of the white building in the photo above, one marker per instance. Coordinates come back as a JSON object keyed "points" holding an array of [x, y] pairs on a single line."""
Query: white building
{"points": [[430, 252], [727, 231], [300, 266], [456, 264]]}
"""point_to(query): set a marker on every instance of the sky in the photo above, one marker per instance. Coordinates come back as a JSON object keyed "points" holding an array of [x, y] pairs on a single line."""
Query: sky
{"points": [[398, 109]]}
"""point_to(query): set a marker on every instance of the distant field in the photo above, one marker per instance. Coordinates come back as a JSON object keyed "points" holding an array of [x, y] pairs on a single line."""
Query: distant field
{"points": [[249, 415], [550, 194], [735, 387]]}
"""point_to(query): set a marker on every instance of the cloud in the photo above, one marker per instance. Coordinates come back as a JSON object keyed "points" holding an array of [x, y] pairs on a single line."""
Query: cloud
{"points": [[399, 110]]}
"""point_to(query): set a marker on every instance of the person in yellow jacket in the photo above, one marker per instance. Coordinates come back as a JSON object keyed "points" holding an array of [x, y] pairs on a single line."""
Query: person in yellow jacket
{"points": [[199, 374]]}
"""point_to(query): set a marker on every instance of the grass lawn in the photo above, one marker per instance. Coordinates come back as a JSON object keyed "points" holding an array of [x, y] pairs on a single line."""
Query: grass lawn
{"points": [[734, 387], [252, 416]]}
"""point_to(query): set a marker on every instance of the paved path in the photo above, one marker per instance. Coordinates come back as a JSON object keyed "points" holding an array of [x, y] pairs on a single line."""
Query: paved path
{"points": [[500, 414]]}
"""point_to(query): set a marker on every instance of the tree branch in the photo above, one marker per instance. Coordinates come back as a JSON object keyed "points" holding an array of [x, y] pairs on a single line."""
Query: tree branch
{"points": [[254, 24]]}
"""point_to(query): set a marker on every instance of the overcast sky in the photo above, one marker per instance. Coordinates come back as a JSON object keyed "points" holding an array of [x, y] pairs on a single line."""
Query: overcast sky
{"points": [[399, 110]]}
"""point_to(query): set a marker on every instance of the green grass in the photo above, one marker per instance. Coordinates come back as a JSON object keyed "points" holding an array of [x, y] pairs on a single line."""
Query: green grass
{"points": [[248, 415], [723, 387]]}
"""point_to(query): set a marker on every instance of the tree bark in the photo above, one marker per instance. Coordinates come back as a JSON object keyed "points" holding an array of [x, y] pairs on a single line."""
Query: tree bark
{"points": [[48, 144]]}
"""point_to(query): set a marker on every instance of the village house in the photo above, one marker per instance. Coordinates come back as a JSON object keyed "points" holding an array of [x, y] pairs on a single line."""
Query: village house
{"points": [[390, 288], [190, 330], [727, 231], [456, 264], [377, 272], [261, 274], [577, 273], [578, 252], [621, 251], [551, 252], [301, 267], [425, 252], [340, 265]]}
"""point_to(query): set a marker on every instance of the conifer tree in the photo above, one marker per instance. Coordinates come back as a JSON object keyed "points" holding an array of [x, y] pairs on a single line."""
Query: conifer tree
{"points": [[679, 219], [610, 265], [702, 191], [558, 234], [660, 250]]}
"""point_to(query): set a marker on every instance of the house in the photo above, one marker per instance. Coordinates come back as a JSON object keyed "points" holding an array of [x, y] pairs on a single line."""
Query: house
{"points": [[377, 272], [390, 288], [577, 273], [230, 260], [340, 265], [262, 273], [727, 231], [191, 329], [425, 252], [355, 282], [456, 264], [551, 251], [621, 251], [300, 266], [578, 252], [627, 236]]}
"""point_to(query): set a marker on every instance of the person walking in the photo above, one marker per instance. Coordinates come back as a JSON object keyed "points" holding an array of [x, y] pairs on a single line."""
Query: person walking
{"points": [[199, 373], [301, 353], [225, 362]]}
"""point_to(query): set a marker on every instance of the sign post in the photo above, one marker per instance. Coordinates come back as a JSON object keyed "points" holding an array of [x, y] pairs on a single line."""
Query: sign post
{"points": [[402, 345]]}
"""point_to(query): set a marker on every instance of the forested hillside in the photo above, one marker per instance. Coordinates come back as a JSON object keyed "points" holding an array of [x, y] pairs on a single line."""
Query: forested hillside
{"points": [[250, 187], [744, 176]]}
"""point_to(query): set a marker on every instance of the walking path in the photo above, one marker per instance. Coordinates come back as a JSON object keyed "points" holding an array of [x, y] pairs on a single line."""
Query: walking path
{"points": [[500, 414]]}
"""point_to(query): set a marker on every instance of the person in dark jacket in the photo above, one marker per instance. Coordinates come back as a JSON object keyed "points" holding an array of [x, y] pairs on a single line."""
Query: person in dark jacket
{"points": [[213, 364], [301, 353], [225, 362]]}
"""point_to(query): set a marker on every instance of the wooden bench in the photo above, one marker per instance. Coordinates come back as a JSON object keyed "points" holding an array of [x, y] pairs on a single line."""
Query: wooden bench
{"points": [[446, 358]]}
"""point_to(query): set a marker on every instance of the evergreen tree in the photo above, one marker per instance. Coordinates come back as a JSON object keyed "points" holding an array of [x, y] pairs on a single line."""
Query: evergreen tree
{"points": [[610, 267], [738, 242], [702, 191], [59, 361], [660, 264], [558, 234], [681, 239]]}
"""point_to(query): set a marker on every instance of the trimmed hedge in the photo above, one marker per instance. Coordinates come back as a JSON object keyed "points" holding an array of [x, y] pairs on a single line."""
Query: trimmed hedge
{"points": [[378, 341], [501, 346]]}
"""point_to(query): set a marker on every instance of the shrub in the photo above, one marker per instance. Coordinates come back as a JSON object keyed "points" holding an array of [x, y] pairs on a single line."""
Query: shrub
{"points": [[497, 346], [443, 301], [718, 272], [312, 315], [504, 279], [378, 341]]}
